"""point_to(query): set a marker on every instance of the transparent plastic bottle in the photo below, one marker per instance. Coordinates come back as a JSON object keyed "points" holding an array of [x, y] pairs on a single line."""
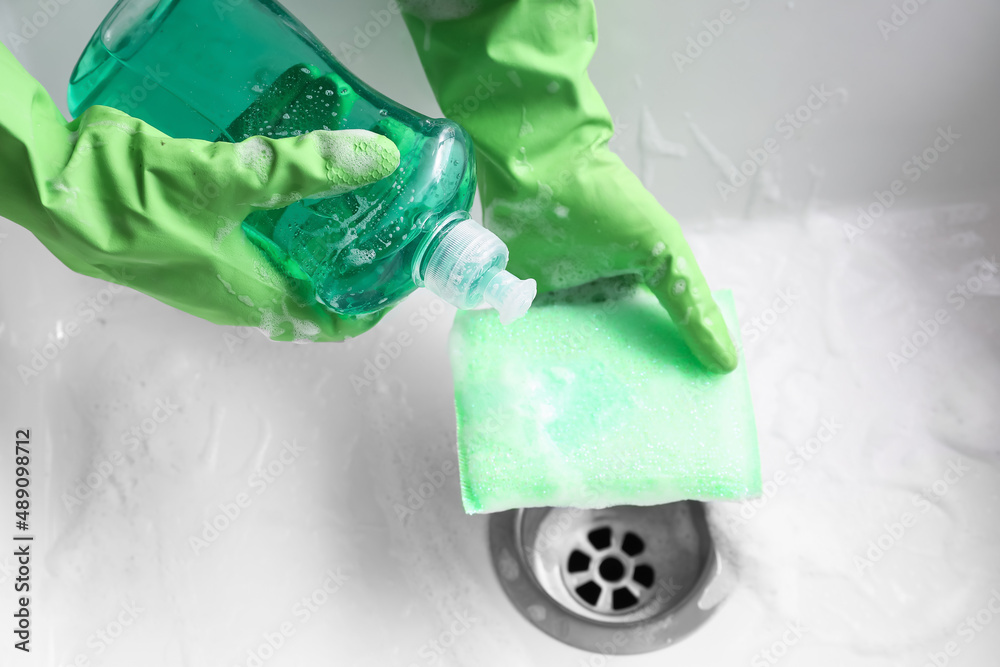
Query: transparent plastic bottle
{"points": [[228, 71]]}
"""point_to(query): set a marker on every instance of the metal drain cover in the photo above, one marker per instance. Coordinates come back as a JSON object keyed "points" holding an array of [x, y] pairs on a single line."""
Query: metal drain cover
{"points": [[621, 579]]}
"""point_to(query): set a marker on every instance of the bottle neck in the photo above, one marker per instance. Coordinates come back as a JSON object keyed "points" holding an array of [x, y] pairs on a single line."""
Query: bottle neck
{"points": [[465, 264], [438, 227]]}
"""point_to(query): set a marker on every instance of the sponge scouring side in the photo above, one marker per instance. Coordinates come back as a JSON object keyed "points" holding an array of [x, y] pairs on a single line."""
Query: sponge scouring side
{"points": [[597, 404]]}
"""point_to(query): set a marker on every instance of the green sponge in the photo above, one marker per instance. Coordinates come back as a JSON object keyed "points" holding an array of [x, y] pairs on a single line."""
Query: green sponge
{"points": [[593, 402]]}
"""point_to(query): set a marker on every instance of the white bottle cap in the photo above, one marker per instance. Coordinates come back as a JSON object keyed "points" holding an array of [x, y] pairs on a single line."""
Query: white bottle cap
{"points": [[467, 267]]}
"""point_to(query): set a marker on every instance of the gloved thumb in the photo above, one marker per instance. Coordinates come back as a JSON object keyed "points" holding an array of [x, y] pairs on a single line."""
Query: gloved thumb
{"points": [[266, 173], [161, 215]]}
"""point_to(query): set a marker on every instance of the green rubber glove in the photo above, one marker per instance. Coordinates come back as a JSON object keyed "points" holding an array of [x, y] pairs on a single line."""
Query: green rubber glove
{"points": [[514, 74], [114, 198]]}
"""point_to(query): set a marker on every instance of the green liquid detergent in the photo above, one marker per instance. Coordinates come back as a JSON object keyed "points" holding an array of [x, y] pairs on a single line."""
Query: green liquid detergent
{"points": [[228, 71]]}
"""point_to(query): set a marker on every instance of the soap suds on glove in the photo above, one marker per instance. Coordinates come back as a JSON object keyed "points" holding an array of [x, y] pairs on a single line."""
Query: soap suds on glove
{"points": [[256, 154], [350, 154], [278, 199], [272, 324]]}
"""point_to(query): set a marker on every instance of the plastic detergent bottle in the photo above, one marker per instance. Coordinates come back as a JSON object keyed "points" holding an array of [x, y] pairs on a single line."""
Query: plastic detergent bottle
{"points": [[231, 70]]}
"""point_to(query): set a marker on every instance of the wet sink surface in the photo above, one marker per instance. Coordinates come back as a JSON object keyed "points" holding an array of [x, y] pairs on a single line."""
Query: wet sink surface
{"points": [[207, 497]]}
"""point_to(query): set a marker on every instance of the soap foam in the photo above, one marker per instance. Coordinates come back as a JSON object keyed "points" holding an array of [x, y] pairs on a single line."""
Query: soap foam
{"points": [[278, 199], [358, 256], [127, 129], [256, 154], [272, 324], [350, 156], [59, 185], [242, 298], [526, 127], [226, 227]]}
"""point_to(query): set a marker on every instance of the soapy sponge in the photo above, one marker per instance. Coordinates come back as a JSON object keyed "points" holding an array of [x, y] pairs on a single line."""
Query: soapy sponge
{"points": [[586, 403]]}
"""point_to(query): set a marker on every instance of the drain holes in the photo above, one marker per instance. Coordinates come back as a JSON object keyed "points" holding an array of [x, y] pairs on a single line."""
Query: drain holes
{"points": [[632, 544], [578, 561], [603, 572], [643, 575], [600, 538], [622, 598], [611, 569], [590, 592]]}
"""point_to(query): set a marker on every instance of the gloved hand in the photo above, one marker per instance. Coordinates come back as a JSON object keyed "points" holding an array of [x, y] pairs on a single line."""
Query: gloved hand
{"points": [[514, 74], [114, 198]]}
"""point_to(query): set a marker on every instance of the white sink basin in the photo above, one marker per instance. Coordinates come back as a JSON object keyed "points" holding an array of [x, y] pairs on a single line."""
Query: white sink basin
{"points": [[205, 497]]}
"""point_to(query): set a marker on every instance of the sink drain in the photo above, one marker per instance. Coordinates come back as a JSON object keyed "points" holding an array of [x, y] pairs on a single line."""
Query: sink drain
{"points": [[627, 579], [606, 571]]}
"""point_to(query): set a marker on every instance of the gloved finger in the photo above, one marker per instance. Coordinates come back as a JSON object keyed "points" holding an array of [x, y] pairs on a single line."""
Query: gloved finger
{"points": [[675, 278], [162, 215], [247, 290], [266, 173], [271, 173], [619, 228], [321, 163]]}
